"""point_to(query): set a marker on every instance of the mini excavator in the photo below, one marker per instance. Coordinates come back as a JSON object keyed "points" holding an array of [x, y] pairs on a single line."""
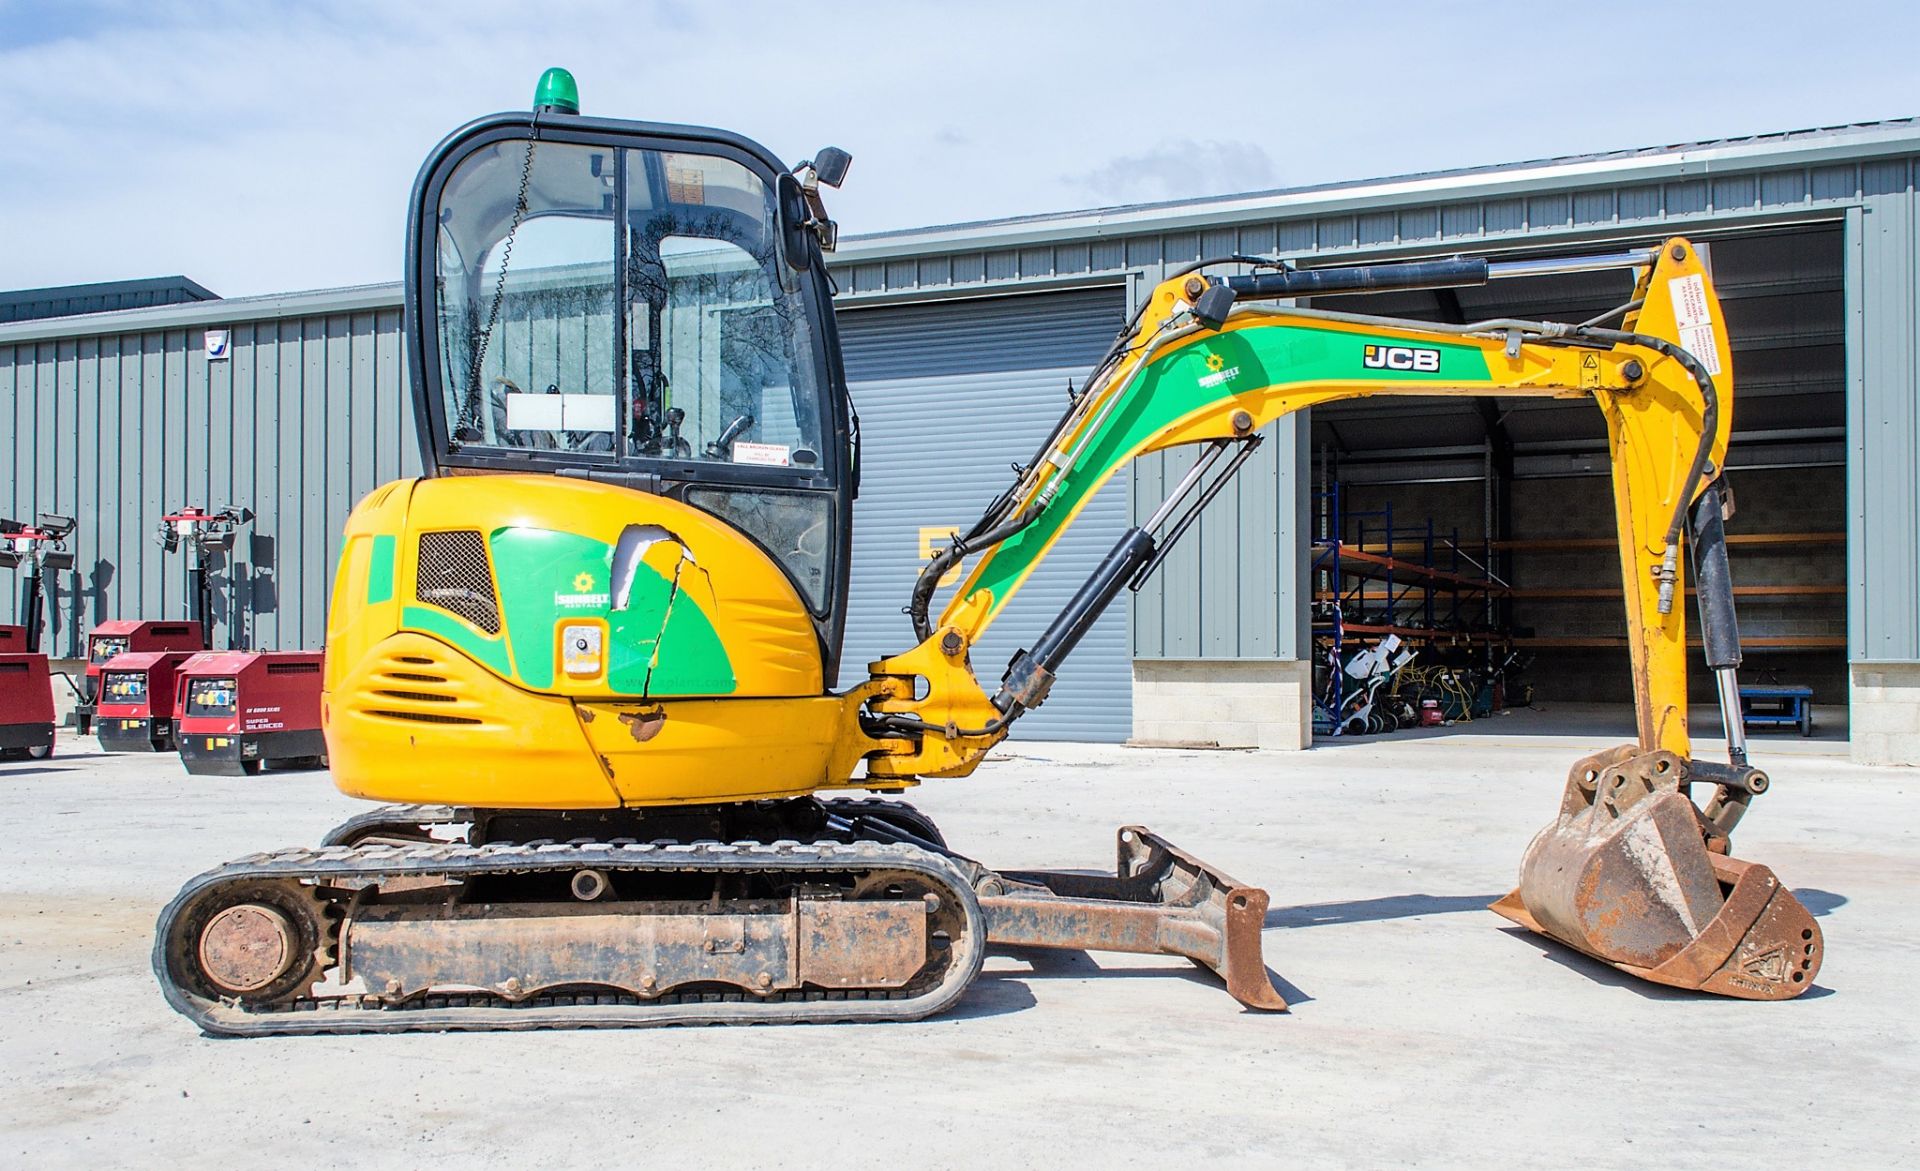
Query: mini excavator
{"points": [[591, 655]]}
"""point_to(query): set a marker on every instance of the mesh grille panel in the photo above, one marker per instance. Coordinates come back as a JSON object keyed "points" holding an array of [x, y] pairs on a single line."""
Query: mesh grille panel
{"points": [[453, 575]]}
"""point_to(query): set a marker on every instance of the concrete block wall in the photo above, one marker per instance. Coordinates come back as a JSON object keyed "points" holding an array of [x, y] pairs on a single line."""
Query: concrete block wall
{"points": [[1768, 501], [1223, 702], [1886, 713]]}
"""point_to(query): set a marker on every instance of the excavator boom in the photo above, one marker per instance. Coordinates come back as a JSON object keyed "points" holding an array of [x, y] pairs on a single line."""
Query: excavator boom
{"points": [[1632, 871]]}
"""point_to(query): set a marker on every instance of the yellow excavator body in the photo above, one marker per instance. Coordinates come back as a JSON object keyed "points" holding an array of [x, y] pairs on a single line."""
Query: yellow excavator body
{"points": [[593, 654], [475, 656]]}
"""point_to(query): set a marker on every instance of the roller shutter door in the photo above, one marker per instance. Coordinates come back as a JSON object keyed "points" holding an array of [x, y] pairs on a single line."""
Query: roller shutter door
{"points": [[949, 394]]}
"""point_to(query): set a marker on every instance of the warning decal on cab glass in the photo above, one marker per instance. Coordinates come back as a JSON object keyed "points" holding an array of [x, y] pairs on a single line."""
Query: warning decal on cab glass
{"points": [[773, 455]]}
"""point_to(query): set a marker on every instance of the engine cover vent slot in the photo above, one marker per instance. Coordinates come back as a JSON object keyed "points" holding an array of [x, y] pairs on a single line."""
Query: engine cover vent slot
{"points": [[454, 576], [420, 717]]}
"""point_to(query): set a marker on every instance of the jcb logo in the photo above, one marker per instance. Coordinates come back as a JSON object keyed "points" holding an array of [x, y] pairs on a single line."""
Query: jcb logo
{"points": [[1416, 358]]}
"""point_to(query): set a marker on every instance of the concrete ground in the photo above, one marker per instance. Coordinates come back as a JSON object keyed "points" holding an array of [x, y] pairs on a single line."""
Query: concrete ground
{"points": [[1424, 1030]]}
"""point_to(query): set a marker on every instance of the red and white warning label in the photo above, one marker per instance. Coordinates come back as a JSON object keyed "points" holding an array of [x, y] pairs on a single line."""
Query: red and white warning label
{"points": [[1695, 321]]}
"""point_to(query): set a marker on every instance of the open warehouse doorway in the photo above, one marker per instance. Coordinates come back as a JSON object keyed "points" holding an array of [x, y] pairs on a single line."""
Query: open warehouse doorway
{"points": [[1480, 533]]}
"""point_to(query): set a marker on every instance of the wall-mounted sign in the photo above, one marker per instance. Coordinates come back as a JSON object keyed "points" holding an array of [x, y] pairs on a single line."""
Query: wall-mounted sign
{"points": [[933, 539], [219, 343]]}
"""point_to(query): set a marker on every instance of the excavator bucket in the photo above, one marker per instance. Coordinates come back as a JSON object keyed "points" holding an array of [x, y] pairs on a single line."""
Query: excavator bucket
{"points": [[1633, 875]]}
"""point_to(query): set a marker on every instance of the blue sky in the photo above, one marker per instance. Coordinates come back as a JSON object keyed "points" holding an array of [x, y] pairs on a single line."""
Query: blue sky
{"points": [[267, 146]]}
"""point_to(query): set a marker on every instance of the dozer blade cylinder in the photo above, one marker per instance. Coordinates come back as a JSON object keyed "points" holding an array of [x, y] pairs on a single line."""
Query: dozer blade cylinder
{"points": [[1625, 875], [1160, 900]]}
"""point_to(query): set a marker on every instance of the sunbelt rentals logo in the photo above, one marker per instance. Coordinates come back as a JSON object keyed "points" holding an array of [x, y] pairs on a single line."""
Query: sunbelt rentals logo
{"points": [[1221, 372], [582, 594]]}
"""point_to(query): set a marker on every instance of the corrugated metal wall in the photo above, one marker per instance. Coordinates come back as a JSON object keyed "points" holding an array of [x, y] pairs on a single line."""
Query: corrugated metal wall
{"points": [[1235, 585], [307, 415], [1883, 429], [950, 394], [1500, 220]]}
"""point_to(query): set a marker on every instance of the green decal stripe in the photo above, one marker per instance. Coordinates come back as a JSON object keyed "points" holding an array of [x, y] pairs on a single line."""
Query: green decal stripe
{"points": [[380, 570], [663, 643], [1216, 369], [447, 628]]}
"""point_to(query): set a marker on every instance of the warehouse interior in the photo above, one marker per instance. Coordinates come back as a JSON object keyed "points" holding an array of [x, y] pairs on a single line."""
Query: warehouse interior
{"points": [[1509, 500]]}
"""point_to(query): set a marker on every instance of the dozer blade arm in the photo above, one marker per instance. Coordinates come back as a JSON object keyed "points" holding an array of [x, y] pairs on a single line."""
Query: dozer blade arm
{"points": [[1160, 900]]}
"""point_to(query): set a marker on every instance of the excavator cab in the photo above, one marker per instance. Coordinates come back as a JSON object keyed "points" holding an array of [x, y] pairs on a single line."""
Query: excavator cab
{"points": [[639, 305]]}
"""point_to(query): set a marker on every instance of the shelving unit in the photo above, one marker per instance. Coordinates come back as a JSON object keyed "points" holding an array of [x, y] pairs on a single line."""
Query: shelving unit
{"points": [[1614, 593], [1394, 578], [1552, 544]]}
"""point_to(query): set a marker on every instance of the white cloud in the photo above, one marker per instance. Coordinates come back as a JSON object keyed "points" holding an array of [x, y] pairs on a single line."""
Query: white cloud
{"points": [[265, 146], [1181, 170]]}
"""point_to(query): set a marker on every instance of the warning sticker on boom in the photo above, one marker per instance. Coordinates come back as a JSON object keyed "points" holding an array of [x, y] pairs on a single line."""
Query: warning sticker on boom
{"points": [[1694, 318]]}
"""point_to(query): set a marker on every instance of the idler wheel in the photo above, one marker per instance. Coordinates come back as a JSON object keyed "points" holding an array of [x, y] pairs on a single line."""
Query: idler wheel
{"points": [[248, 947], [264, 941]]}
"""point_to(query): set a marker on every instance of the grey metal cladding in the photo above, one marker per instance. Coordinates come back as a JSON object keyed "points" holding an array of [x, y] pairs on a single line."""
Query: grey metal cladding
{"points": [[1883, 427], [981, 335], [950, 394], [304, 417], [1234, 587]]}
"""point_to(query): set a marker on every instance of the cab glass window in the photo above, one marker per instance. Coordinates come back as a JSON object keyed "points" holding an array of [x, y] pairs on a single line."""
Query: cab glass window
{"points": [[526, 308], [674, 332], [722, 350]]}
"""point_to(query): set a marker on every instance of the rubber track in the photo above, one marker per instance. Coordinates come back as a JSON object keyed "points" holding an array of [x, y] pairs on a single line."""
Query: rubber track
{"points": [[408, 816], [439, 1013], [423, 816]]}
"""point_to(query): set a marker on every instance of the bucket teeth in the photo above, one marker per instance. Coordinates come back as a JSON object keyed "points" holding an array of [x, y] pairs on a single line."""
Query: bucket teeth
{"points": [[1625, 875]]}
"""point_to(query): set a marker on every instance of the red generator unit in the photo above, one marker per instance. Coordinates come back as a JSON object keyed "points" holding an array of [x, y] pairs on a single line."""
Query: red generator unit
{"points": [[134, 711], [26, 699], [240, 710], [117, 638]]}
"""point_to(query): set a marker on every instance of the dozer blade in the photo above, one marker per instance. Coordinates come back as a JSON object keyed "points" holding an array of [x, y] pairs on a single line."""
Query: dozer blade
{"points": [[1161, 900], [1625, 875]]}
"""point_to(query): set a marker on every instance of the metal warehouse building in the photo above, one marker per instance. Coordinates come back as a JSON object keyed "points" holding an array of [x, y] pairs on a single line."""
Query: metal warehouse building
{"points": [[961, 342]]}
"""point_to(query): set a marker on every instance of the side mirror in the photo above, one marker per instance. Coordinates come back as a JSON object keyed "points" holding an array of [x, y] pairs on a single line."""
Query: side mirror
{"points": [[853, 458], [831, 166], [794, 233]]}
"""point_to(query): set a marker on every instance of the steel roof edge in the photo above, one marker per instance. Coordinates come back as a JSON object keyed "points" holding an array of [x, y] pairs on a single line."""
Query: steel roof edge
{"points": [[226, 311], [151, 284], [1860, 141], [1867, 140]]}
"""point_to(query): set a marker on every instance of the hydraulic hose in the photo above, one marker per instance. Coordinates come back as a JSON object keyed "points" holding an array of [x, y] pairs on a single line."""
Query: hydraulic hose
{"points": [[928, 582], [1702, 455]]}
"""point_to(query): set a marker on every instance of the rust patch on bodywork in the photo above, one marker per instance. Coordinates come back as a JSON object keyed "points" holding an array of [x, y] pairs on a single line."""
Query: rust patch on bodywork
{"points": [[645, 949], [646, 723]]}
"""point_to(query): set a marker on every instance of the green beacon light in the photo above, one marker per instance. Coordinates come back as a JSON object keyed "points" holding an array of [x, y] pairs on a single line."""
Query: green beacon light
{"points": [[556, 94]]}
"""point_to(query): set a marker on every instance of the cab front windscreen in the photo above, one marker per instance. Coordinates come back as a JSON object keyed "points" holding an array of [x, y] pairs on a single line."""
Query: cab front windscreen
{"points": [[621, 304]]}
